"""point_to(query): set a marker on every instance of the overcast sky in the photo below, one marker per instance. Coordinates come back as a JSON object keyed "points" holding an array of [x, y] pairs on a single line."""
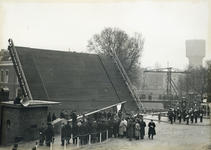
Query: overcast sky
{"points": [[62, 26]]}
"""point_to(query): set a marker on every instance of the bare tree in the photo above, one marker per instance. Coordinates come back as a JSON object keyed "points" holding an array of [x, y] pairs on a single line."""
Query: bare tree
{"points": [[208, 66], [196, 81], [128, 49]]}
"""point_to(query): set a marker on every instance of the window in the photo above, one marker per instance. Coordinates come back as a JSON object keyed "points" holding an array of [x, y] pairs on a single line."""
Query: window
{"points": [[7, 76], [2, 75]]}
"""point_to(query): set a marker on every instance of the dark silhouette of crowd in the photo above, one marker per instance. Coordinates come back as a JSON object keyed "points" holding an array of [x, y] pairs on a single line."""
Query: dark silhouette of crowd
{"points": [[103, 125], [185, 115]]}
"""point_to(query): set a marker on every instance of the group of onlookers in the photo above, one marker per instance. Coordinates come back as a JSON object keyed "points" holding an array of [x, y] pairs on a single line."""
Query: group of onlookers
{"points": [[185, 114]]}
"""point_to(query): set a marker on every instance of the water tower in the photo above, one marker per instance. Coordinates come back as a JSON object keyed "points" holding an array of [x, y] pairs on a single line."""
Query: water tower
{"points": [[195, 52]]}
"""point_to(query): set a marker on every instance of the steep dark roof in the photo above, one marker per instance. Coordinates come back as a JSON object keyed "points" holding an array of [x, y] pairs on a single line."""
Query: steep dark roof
{"points": [[80, 81]]}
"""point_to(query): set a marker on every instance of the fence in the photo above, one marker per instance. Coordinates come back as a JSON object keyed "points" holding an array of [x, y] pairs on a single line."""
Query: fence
{"points": [[103, 135]]}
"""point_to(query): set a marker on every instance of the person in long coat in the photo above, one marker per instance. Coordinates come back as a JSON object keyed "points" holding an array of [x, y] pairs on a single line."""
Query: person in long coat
{"points": [[187, 118], [191, 117], [69, 132], [121, 128], [142, 130], [53, 117], [110, 127], [63, 133], [151, 131], [179, 117], [82, 132], [137, 130], [125, 126], [42, 134], [115, 128], [49, 117], [49, 135], [104, 129], [75, 133], [99, 129], [195, 115], [94, 131], [130, 130]]}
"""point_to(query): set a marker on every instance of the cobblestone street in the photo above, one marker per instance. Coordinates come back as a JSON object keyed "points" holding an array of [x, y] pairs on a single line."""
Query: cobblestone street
{"points": [[168, 136]]}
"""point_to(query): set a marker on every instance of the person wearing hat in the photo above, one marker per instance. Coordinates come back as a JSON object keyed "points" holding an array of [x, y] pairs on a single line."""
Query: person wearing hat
{"points": [[151, 131], [49, 117], [82, 132], [142, 130], [15, 147], [94, 131], [49, 134], [69, 132], [137, 130], [121, 128], [42, 134], [130, 129], [63, 133]]}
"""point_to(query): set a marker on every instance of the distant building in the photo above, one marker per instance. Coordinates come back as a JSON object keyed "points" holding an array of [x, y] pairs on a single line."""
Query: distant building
{"points": [[154, 85], [8, 78], [195, 52]]}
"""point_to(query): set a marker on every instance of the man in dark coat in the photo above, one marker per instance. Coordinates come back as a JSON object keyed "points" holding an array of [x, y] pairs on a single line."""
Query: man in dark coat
{"points": [[187, 118], [99, 125], [63, 133], [94, 131], [195, 115], [49, 117], [42, 134], [110, 127], [104, 129], [184, 115], [171, 117], [201, 116], [191, 117], [115, 128], [142, 131], [74, 117], [82, 131], [75, 133], [179, 117], [68, 132], [130, 130], [151, 131], [53, 117], [49, 134], [109, 115]]}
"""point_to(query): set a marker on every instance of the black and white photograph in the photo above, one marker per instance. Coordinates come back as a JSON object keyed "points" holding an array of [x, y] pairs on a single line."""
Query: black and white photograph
{"points": [[105, 74]]}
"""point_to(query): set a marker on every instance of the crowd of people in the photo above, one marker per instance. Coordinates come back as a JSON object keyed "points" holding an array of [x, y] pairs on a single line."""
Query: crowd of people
{"points": [[185, 114], [100, 126]]}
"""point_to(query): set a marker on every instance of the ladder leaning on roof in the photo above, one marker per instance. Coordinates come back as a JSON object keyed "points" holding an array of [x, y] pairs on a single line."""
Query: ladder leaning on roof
{"points": [[19, 71], [127, 80]]}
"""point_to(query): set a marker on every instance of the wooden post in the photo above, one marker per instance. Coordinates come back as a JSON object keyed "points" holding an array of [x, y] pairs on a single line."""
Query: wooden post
{"points": [[78, 141], [107, 135], [100, 137], [36, 146], [89, 139], [51, 146], [71, 140], [65, 144]]}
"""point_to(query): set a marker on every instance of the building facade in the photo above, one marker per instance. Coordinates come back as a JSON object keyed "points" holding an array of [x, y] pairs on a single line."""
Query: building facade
{"points": [[8, 78]]}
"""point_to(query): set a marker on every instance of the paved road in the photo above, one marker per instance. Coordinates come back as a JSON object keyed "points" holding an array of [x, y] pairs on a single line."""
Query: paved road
{"points": [[169, 136]]}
